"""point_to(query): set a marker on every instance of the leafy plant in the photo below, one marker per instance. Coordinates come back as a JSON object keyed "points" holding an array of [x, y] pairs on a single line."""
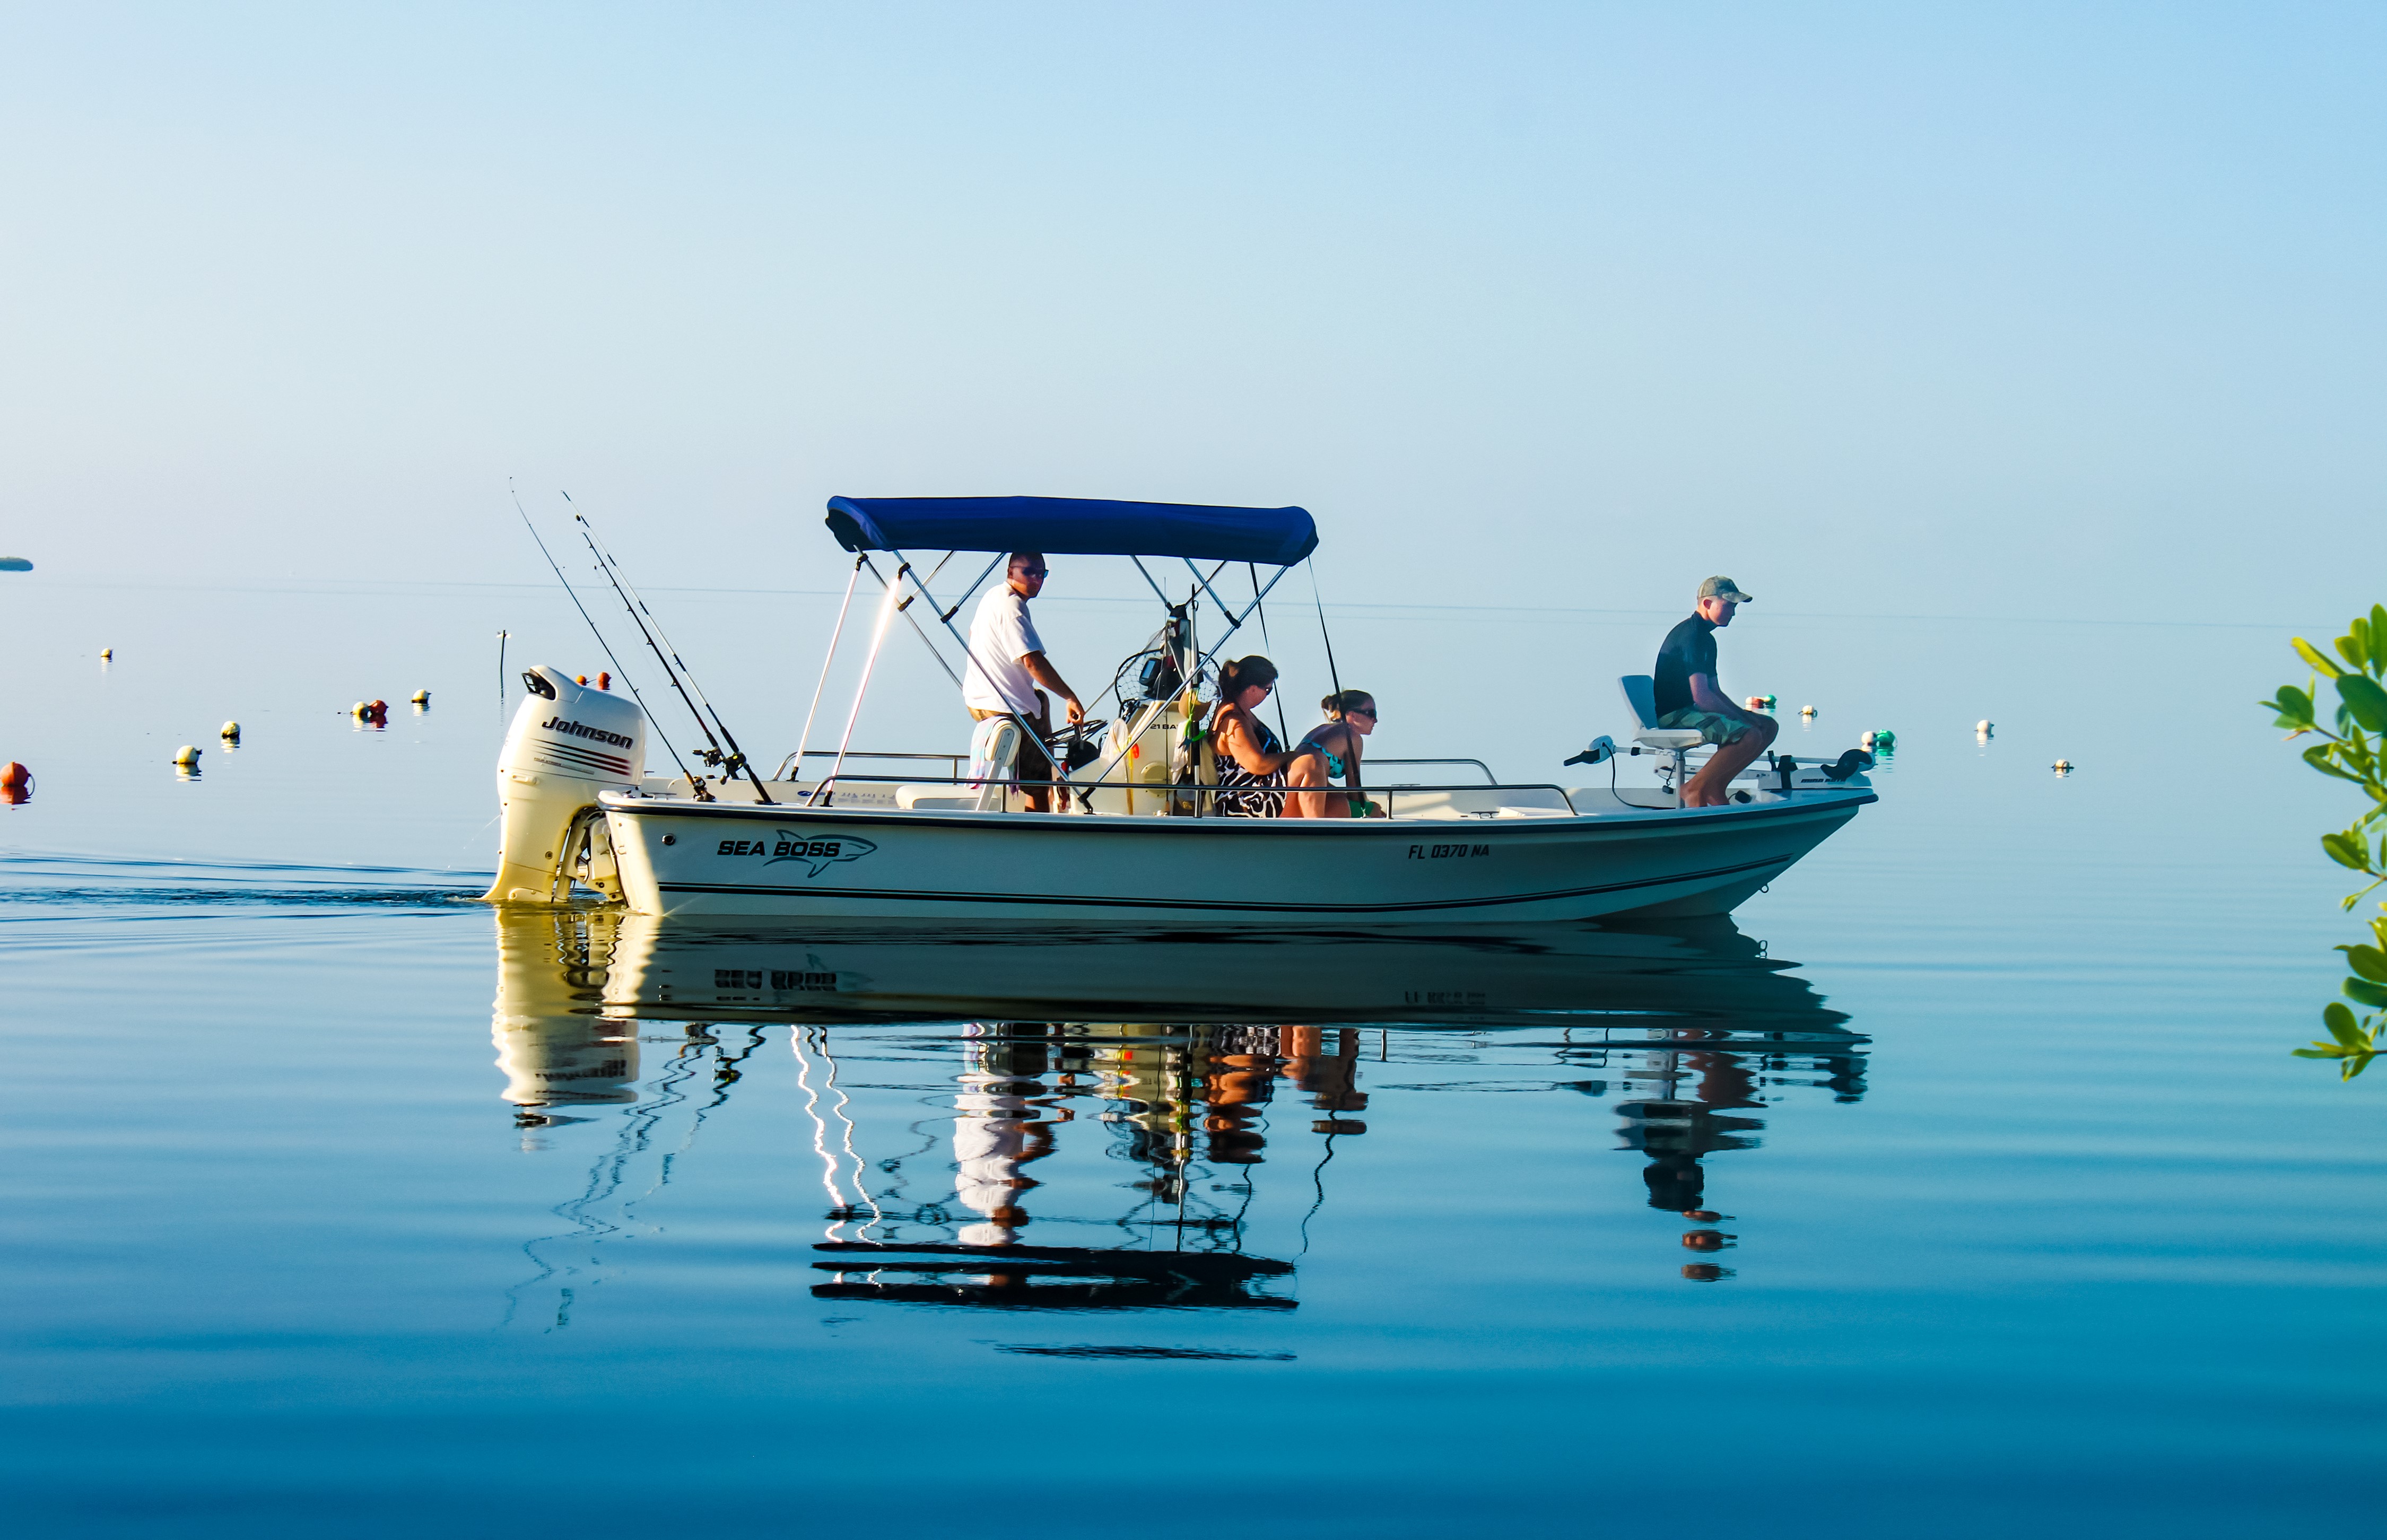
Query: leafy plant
{"points": [[2351, 753]]}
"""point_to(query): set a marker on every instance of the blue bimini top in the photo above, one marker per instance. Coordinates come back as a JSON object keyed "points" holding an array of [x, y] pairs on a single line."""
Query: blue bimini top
{"points": [[1074, 526]]}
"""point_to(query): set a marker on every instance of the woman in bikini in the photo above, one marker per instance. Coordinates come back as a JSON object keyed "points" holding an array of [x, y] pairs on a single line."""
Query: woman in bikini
{"points": [[1350, 716], [1251, 760]]}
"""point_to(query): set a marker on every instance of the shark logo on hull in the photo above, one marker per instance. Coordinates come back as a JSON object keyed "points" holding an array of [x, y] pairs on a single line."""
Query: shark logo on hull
{"points": [[817, 855]]}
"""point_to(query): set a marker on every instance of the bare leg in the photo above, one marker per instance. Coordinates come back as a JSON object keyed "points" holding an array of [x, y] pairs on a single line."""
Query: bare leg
{"points": [[1308, 770], [1711, 785]]}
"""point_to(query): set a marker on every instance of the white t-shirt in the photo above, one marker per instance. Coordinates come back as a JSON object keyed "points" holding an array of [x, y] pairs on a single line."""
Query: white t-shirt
{"points": [[1000, 635]]}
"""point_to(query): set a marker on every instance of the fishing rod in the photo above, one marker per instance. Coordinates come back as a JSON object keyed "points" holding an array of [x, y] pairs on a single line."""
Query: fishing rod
{"points": [[1332, 677], [602, 645], [1256, 595], [734, 760]]}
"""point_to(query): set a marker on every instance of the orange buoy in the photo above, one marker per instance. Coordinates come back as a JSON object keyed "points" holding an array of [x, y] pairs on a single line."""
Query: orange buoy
{"points": [[604, 680], [580, 678], [15, 778]]}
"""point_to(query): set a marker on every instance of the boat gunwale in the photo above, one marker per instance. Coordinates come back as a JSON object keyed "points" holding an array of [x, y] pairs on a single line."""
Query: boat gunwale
{"points": [[642, 806]]}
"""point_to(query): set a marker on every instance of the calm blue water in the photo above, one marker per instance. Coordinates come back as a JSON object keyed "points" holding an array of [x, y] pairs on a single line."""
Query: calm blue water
{"points": [[338, 1204]]}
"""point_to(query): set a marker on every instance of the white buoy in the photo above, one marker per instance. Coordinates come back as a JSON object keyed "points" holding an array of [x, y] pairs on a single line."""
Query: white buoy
{"points": [[186, 756], [2062, 767], [231, 731], [1806, 710], [106, 653], [423, 698], [1985, 726]]}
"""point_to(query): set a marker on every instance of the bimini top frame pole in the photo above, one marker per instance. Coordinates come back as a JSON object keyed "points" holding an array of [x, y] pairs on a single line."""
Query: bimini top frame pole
{"points": [[826, 663]]}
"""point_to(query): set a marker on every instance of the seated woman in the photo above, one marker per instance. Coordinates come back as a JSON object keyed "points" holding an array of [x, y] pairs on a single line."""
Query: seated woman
{"points": [[1251, 760], [1350, 716]]}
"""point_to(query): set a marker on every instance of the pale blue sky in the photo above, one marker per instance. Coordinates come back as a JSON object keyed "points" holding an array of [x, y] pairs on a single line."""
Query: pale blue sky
{"points": [[2010, 311]]}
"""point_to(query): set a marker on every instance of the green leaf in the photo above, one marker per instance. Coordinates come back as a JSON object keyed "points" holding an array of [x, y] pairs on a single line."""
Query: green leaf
{"points": [[2355, 646], [2347, 852], [2293, 707], [2322, 757], [2368, 961], [2364, 700], [2318, 1052], [2378, 637], [2314, 656], [2342, 1025], [2364, 993]]}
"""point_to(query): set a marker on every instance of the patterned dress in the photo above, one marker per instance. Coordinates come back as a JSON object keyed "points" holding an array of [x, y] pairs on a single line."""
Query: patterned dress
{"points": [[1245, 795]]}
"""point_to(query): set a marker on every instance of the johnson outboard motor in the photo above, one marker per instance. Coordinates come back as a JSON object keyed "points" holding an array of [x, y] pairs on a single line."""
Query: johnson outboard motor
{"points": [[568, 743]]}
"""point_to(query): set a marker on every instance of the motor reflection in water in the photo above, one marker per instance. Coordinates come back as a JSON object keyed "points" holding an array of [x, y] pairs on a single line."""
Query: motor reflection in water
{"points": [[1179, 1067]]}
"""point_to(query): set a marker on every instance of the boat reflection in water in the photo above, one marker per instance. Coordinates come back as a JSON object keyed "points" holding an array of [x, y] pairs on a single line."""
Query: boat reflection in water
{"points": [[1175, 1054]]}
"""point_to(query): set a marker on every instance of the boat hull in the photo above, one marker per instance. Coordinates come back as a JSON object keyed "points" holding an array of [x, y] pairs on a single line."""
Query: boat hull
{"points": [[680, 857]]}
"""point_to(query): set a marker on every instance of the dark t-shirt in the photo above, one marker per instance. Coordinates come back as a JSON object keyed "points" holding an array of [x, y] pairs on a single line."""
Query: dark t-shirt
{"points": [[1690, 649]]}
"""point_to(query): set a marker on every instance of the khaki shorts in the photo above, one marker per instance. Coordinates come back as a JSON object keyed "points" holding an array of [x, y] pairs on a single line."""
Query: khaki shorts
{"points": [[1711, 726]]}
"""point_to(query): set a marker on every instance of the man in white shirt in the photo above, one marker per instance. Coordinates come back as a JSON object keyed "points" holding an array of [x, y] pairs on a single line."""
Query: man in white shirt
{"points": [[1006, 663]]}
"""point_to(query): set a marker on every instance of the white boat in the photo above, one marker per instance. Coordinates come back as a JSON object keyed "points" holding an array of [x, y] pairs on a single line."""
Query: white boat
{"points": [[1141, 844]]}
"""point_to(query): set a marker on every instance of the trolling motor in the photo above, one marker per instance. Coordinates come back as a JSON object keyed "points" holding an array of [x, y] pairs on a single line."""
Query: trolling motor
{"points": [[1839, 770], [1602, 749], [1846, 765]]}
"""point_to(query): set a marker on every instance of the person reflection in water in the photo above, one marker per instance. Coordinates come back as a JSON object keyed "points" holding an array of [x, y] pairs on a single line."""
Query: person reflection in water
{"points": [[1244, 1066], [1678, 1132], [1241, 1079], [996, 1135], [1331, 1079]]}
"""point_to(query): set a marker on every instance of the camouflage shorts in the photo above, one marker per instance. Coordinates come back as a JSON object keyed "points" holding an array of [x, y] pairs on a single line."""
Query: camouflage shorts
{"points": [[1711, 726]]}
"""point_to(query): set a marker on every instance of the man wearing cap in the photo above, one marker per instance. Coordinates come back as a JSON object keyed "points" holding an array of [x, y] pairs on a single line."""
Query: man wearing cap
{"points": [[1688, 696], [1006, 663]]}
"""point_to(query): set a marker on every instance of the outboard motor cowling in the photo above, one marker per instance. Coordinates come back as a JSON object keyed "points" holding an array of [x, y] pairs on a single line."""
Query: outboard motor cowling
{"points": [[567, 743]]}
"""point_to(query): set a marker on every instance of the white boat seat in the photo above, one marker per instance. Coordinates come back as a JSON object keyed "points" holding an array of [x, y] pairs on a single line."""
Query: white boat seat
{"points": [[1641, 699], [1676, 743], [994, 750], [937, 797]]}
